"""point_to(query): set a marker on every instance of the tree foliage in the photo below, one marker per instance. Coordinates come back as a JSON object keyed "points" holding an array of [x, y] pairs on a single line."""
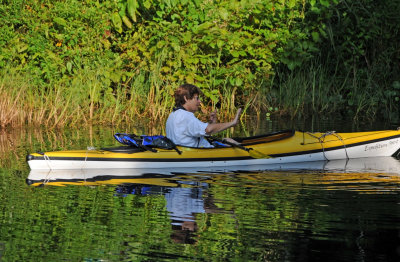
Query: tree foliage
{"points": [[128, 54]]}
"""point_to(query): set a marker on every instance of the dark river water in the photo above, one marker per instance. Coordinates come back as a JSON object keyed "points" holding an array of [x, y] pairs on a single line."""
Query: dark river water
{"points": [[320, 211]]}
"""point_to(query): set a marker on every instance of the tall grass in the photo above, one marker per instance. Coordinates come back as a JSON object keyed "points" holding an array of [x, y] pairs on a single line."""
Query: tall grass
{"points": [[315, 90], [310, 90], [84, 99], [81, 100], [12, 92]]}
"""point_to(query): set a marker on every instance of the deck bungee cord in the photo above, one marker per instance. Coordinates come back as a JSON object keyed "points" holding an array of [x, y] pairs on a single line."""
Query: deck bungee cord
{"points": [[86, 156], [46, 179], [46, 159], [321, 140]]}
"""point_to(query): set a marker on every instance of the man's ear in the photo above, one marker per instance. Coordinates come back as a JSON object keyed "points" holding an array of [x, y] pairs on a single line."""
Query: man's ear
{"points": [[184, 97]]}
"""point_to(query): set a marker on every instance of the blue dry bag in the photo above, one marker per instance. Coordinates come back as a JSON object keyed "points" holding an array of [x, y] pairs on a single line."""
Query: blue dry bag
{"points": [[146, 142], [126, 139]]}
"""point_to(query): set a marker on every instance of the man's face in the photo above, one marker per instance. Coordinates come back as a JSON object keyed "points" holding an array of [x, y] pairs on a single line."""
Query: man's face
{"points": [[192, 105]]}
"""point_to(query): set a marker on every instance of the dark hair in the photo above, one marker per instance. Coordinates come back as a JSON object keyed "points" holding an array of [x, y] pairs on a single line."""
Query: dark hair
{"points": [[185, 90]]}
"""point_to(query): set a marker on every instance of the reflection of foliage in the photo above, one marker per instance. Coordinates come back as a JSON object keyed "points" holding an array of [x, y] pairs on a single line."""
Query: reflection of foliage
{"points": [[16, 144], [271, 216], [255, 219], [252, 217], [82, 222]]}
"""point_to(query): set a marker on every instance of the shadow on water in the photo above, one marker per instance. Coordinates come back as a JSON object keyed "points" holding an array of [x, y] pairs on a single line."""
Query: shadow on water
{"points": [[317, 211]]}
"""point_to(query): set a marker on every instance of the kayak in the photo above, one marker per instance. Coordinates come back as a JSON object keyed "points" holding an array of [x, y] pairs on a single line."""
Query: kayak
{"points": [[282, 147], [384, 168]]}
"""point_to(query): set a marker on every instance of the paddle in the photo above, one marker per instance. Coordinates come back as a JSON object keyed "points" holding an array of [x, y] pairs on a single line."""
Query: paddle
{"points": [[252, 152]]}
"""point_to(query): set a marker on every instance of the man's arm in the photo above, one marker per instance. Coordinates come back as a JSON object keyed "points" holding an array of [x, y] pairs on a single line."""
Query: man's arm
{"points": [[213, 128]]}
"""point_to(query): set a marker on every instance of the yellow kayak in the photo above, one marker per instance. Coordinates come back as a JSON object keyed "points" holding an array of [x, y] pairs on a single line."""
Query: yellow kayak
{"points": [[282, 147]]}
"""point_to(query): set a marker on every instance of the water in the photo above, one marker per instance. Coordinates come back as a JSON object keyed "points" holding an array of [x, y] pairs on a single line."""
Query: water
{"points": [[335, 211]]}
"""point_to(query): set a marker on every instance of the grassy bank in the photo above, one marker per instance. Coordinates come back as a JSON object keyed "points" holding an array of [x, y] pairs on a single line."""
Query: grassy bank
{"points": [[87, 100], [82, 101]]}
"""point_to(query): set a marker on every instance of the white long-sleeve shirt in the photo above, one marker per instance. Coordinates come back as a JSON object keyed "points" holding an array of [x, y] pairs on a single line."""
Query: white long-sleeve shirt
{"points": [[184, 129]]}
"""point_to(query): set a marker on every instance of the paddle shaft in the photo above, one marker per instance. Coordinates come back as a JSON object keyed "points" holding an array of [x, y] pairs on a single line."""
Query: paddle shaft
{"points": [[236, 145], [253, 153]]}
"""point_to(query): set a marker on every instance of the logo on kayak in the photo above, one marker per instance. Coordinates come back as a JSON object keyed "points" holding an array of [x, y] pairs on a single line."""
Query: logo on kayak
{"points": [[376, 147]]}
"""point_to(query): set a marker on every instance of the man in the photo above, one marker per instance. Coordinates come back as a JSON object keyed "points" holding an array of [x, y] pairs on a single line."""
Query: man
{"points": [[183, 128]]}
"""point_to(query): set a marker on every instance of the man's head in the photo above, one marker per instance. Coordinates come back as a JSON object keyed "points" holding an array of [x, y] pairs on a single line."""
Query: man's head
{"points": [[187, 95]]}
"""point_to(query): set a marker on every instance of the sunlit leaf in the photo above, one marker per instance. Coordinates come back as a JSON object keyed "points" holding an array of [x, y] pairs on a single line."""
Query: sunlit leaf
{"points": [[203, 27], [117, 22], [324, 3], [127, 22], [189, 79], [131, 9], [60, 21], [69, 67], [238, 81]]}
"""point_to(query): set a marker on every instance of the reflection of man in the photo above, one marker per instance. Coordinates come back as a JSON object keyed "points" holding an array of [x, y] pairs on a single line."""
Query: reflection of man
{"points": [[183, 234], [182, 204]]}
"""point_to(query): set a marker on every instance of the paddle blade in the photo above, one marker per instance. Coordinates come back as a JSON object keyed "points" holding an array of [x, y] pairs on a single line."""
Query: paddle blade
{"points": [[257, 154]]}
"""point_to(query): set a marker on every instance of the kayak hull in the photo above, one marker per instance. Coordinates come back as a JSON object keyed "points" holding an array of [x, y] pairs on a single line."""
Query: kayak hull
{"points": [[291, 148]]}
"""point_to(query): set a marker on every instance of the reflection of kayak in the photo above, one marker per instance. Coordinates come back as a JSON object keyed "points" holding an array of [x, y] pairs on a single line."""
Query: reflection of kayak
{"points": [[96, 177], [276, 148], [166, 177]]}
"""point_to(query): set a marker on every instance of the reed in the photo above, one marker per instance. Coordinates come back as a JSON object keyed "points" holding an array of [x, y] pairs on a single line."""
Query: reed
{"points": [[307, 91], [85, 99], [319, 90], [365, 96], [12, 90]]}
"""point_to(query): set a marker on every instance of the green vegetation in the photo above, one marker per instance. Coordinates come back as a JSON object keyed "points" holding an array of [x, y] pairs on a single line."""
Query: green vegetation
{"points": [[348, 64], [109, 62]]}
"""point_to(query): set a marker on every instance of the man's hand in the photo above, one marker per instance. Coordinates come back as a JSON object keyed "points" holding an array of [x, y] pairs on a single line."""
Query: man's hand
{"points": [[235, 121], [213, 117], [213, 128]]}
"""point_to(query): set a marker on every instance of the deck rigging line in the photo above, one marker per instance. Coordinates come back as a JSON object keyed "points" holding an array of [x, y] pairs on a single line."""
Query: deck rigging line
{"points": [[47, 160], [321, 140]]}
